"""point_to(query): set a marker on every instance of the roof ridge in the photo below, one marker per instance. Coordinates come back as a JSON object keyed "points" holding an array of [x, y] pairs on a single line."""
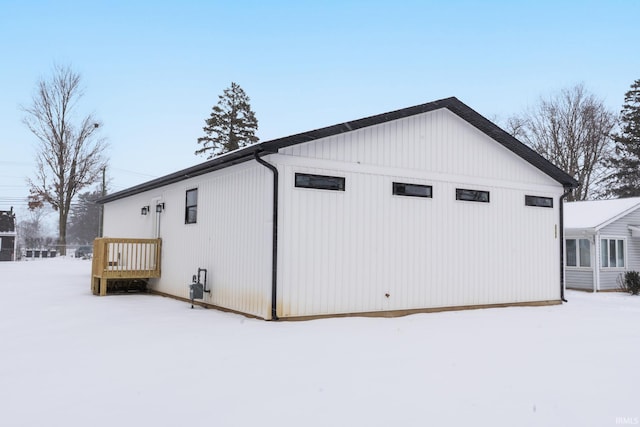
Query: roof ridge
{"points": [[453, 104]]}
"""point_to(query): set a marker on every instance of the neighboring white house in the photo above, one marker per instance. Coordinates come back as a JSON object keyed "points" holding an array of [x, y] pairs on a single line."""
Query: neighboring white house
{"points": [[426, 208], [602, 240]]}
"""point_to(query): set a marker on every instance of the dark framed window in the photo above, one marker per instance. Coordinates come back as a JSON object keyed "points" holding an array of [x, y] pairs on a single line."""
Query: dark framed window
{"points": [[413, 190], [191, 206], [472, 195], [320, 182], [543, 202]]}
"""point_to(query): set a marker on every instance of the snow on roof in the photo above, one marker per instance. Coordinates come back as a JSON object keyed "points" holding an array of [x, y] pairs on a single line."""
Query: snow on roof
{"points": [[597, 213]]}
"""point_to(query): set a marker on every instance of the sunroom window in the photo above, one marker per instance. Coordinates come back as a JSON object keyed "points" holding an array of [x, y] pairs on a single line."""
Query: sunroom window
{"points": [[612, 253], [578, 252]]}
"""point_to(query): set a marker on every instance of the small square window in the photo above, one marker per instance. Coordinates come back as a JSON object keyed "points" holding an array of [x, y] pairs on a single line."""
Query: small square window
{"points": [[191, 206], [543, 202], [320, 182], [472, 195], [413, 190]]}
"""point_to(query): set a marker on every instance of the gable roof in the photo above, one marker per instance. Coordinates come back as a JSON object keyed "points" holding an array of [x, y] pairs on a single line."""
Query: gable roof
{"points": [[596, 214], [7, 222], [452, 104]]}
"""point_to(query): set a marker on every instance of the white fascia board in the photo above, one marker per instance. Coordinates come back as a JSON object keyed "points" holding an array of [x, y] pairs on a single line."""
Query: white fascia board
{"points": [[617, 217], [573, 232]]}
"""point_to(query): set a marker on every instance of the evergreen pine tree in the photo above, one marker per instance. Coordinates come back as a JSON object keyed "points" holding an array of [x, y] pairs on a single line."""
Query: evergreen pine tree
{"points": [[232, 124], [84, 218], [625, 181]]}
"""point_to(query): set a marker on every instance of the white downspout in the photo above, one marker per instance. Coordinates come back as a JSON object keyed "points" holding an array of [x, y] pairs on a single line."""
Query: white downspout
{"points": [[596, 264]]}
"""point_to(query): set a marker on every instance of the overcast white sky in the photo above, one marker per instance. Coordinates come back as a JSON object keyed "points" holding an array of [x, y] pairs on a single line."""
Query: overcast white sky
{"points": [[153, 70]]}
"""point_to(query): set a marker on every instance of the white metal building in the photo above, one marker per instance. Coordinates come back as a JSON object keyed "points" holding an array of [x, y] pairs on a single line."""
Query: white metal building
{"points": [[425, 208], [602, 241]]}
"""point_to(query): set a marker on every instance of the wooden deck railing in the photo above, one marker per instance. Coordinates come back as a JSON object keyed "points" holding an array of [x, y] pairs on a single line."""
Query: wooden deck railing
{"points": [[120, 258]]}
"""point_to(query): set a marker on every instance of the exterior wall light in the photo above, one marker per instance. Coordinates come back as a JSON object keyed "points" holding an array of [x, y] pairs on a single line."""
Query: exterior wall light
{"points": [[144, 210], [159, 207]]}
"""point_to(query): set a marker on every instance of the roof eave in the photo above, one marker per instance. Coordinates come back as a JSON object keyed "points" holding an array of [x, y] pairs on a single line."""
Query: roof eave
{"points": [[579, 230], [238, 156], [513, 144], [618, 216]]}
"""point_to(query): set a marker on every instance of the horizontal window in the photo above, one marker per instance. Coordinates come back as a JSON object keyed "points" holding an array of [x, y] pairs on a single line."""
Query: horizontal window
{"points": [[543, 202], [413, 190], [320, 182], [472, 195]]}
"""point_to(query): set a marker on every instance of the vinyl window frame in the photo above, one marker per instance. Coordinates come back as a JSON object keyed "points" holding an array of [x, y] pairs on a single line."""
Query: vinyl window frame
{"points": [[578, 252], [620, 249]]}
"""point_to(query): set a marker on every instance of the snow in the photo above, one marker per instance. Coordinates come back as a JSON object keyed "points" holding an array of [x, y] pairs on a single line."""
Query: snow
{"points": [[68, 358], [596, 213]]}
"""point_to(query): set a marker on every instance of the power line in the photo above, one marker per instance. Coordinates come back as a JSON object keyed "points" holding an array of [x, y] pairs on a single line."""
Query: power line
{"points": [[9, 162], [14, 199], [144, 175]]}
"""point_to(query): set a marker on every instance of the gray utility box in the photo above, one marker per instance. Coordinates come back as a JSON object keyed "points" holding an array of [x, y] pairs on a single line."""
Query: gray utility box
{"points": [[196, 291]]}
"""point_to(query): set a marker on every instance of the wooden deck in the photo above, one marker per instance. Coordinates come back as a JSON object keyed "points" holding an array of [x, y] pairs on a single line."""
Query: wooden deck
{"points": [[123, 259]]}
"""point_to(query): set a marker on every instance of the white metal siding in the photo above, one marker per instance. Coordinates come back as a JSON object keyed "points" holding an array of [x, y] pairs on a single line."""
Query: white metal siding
{"points": [[342, 252], [364, 249], [122, 218], [231, 239], [438, 141]]}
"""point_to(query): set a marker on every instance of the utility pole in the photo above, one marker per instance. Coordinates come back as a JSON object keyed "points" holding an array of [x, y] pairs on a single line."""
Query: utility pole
{"points": [[104, 193]]}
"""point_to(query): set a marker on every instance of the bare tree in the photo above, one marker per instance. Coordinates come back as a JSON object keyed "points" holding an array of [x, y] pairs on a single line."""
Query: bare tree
{"points": [[70, 154], [572, 130]]}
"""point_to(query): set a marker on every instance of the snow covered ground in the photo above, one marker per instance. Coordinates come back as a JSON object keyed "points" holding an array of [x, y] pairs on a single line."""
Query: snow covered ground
{"points": [[68, 358]]}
